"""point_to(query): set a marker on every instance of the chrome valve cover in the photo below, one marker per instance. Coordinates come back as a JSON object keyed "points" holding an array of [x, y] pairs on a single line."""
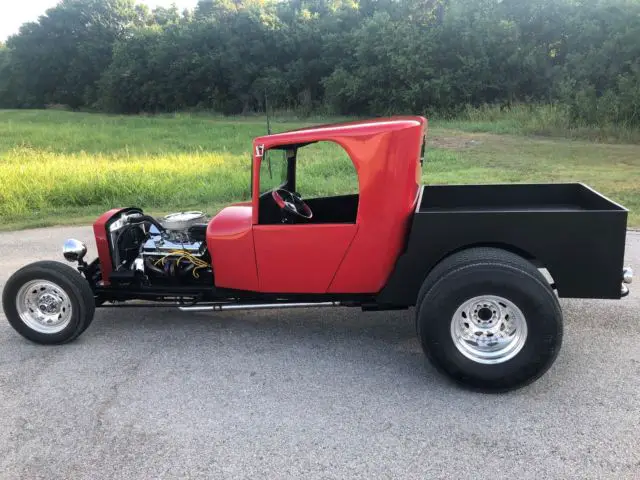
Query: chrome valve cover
{"points": [[161, 245]]}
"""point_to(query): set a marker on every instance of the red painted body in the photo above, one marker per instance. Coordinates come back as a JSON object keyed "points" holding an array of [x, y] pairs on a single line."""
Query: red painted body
{"points": [[326, 258], [230, 243], [318, 258], [300, 258], [102, 243]]}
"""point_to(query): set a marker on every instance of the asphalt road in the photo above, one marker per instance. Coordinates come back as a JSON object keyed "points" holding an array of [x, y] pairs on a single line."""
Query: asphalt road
{"points": [[305, 394]]}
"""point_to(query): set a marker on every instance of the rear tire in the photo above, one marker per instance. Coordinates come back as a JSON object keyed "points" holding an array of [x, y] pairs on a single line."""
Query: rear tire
{"points": [[488, 319], [48, 302]]}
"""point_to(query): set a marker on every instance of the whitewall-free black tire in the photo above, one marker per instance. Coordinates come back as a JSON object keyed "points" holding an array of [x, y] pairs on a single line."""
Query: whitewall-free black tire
{"points": [[48, 302], [488, 319]]}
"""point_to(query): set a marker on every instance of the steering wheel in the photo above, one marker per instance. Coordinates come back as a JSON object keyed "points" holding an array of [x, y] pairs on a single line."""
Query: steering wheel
{"points": [[291, 203]]}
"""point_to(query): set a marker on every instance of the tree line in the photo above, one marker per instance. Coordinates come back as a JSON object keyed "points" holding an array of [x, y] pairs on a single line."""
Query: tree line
{"points": [[363, 57]]}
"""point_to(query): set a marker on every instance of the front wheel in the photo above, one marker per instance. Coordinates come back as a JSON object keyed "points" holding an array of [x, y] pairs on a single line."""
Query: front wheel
{"points": [[48, 302], [488, 319]]}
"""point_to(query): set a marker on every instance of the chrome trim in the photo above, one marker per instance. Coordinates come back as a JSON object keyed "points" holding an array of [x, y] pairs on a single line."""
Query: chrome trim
{"points": [[422, 187], [138, 265], [627, 275], [44, 306], [489, 329], [74, 250], [123, 220], [182, 220], [157, 244], [256, 306]]}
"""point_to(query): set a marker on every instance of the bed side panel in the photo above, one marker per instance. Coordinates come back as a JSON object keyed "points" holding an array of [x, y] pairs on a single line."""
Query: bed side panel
{"points": [[583, 250]]}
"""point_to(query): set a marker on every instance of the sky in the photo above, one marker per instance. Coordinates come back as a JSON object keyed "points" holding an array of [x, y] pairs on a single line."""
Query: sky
{"points": [[22, 11]]}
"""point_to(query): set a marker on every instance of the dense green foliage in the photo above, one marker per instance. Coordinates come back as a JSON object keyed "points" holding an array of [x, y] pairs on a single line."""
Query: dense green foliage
{"points": [[339, 56]]}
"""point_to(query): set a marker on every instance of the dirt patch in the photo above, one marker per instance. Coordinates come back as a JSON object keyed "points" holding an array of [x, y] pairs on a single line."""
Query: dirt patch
{"points": [[459, 142]]}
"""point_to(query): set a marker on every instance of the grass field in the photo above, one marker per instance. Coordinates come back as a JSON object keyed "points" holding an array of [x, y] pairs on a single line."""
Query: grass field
{"points": [[552, 121], [61, 167]]}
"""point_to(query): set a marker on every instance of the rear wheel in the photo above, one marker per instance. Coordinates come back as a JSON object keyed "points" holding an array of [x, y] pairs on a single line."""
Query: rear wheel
{"points": [[48, 302], [488, 319]]}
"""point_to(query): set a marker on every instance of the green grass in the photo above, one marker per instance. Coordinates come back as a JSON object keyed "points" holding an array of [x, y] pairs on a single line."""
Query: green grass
{"points": [[62, 167], [538, 120]]}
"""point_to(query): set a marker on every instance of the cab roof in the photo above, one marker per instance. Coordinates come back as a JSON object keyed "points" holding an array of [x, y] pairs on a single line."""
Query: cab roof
{"points": [[360, 128]]}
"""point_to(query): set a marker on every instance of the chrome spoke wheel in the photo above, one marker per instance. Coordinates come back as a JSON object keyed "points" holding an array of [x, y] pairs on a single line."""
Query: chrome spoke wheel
{"points": [[489, 329], [44, 306]]}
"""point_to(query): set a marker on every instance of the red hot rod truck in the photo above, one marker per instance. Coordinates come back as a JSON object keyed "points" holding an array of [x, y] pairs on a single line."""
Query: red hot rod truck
{"points": [[469, 258]]}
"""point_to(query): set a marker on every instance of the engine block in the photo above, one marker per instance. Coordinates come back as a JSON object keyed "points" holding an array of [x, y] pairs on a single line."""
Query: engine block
{"points": [[157, 245]]}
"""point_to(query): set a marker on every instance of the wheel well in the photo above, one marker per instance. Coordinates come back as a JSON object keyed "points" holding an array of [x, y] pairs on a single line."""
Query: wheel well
{"points": [[415, 266]]}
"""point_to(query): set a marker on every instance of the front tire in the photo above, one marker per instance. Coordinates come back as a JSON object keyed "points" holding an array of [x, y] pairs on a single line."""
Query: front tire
{"points": [[48, 302], [488, 319]]}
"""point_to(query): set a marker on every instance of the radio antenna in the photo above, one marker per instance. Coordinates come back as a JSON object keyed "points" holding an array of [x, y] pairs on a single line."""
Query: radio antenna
{"points": [[266, 109]]}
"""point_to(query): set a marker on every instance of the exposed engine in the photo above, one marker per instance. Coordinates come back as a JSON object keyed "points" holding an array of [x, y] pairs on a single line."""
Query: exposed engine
{"points": [[165, 250]]}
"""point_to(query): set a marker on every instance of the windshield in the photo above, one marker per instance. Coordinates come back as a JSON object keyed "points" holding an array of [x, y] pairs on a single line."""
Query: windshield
{"points": [[273, 170]]}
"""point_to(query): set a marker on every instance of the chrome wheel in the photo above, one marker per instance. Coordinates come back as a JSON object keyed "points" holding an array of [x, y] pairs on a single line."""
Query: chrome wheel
{"points": [[44, 306], [489, 329]]}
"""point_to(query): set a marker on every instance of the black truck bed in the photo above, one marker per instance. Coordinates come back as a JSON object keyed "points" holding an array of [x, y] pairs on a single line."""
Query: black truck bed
{"points": [[570, 229], [564, 197]]}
